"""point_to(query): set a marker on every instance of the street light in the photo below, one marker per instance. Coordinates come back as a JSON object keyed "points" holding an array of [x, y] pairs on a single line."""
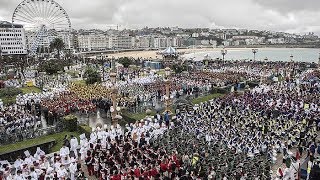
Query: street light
{"points": [[291, 58], [223, 53], [319, 61], [265, 68], [114, 92], [102, 66], [167, 83], [291, 66], [254, 51]]}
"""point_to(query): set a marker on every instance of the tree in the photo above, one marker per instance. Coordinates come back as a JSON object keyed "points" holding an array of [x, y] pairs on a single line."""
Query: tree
{"points": [[92, 76], [19, 62], [125, 61], [52, 66], [179, 68], [57, 44]]}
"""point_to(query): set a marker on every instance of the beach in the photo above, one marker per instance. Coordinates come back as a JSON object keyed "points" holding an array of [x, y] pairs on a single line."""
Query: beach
{"points": [[154, 55], [272, 53]]}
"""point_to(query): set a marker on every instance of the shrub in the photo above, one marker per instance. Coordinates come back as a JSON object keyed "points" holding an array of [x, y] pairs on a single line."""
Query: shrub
{"points": [[71, 123], [85, 129], [92, 76], [53, 66], [9, 92], [125, 61], [253, 84]]}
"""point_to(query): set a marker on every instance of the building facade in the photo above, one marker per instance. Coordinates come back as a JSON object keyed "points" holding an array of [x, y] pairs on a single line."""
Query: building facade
{"points": [[12, 39], [93, 42]]}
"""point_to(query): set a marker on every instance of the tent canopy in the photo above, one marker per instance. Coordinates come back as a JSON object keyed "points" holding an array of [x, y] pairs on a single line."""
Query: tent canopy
{"points": [[169, 51]]}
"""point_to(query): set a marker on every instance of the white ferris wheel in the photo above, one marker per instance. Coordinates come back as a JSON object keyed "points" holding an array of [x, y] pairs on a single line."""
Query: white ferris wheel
{"points": [[43, 20]]}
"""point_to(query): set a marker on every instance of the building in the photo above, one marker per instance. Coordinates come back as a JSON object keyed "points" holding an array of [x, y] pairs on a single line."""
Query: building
{"points": [[125, 42], [276, 41], [93, 42], [67, 39], [143, 41], [12, 39]]}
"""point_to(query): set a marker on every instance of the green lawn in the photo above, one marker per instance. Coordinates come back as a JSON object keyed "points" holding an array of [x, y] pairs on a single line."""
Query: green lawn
{"points": [[57, 137], [80, 82], [8, 100], [206, 98], [139, 116], [27, 90]]}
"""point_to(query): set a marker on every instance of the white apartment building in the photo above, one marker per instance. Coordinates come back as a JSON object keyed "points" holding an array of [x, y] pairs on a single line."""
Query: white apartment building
{"points": [[276, 41], [100, 42], [94, 42], [67, 39], [143, 41], [164, 42], [12, 39], [125, 42]]}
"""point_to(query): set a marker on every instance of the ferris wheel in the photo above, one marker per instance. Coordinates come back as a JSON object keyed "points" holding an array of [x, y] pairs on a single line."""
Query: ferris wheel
{"points": [[42, 20]]}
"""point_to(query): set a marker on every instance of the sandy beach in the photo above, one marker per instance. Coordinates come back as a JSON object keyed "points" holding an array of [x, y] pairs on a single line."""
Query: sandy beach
{"points": [[154, 55]]}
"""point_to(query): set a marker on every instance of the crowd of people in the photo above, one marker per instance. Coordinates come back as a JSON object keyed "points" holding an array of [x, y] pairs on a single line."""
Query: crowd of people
{"points": [[19, 122], [238, 136]]}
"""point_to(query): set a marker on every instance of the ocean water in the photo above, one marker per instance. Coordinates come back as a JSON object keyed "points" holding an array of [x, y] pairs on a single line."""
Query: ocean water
{"points": [[273, 54]]}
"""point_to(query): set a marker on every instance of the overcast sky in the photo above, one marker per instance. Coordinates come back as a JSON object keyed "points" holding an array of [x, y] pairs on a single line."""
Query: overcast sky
{"points": [[295, 16]]}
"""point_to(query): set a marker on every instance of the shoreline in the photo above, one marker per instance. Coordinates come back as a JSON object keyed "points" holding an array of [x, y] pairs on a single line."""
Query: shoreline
{"points": [[152, 54]]}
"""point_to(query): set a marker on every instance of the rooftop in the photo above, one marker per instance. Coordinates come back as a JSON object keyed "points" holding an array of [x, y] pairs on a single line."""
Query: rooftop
{"points": [[6, 24]]}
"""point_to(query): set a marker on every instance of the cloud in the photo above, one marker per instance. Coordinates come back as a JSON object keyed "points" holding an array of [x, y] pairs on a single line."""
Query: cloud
{"points": [[285, 6], [275, 15]]}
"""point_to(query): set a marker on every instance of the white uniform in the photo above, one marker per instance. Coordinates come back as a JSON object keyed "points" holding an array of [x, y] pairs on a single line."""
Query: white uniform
{"points": [[74, 144], [72, 170]]}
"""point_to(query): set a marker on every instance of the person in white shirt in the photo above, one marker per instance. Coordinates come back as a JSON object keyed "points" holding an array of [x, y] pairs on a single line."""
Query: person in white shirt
{"points": [[62, 173], [74, 144], [39, 153], [33, 173], [73, 169], [64, 151]]}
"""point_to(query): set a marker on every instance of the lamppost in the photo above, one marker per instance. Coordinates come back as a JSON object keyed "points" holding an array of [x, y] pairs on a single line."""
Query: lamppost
{"points": [[102, 66], [223, 53], [114, 93], [319, 61], [167, 83], [1, 58], [265, 68], [291, 67], [254, 51]]}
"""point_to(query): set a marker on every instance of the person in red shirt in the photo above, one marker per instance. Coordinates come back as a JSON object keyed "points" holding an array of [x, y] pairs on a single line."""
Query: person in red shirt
{"points": [[153, 172], [163, 166], [146, 174], [137, 172]]}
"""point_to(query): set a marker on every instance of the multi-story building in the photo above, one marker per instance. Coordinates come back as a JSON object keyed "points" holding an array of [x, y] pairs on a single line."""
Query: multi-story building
{"points": [[12, 39], [276, 41], [125, 42], [67, 39], [93, 42], [143, 41]]}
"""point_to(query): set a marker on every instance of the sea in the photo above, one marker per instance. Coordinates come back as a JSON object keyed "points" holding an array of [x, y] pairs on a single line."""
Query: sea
{"points": [[272, 54]]}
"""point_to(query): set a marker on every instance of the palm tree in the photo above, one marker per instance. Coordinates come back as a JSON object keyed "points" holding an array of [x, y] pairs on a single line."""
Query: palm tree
{"points": [[57, 44]]}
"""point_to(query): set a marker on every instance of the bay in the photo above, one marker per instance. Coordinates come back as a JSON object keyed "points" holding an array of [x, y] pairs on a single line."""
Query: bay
{"points": [[272, 54]]}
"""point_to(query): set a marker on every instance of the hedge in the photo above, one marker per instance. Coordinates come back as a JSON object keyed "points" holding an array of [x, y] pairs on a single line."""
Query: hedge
{"points": [[84, 129], [224, 90], [9, 92], [71, 123], [253, 84]]}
